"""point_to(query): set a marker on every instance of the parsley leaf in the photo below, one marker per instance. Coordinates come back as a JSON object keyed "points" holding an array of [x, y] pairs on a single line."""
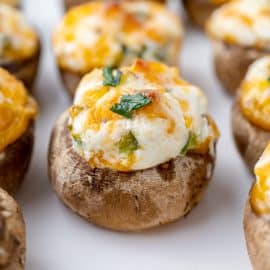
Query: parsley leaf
{"points": [[191, 142], [111, 76], [130, 103], [268, 79], [128, 143]]}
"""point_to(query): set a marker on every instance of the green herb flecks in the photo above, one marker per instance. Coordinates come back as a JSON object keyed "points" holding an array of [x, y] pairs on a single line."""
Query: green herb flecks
{"points": [[191, 142], [130, 103], [128, 143], [268, 79], [111, 76], [77, 139], [5, 43]]}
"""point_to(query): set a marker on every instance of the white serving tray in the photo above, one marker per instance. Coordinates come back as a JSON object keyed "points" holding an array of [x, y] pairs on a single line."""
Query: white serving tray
{"points": [[211, 237]]}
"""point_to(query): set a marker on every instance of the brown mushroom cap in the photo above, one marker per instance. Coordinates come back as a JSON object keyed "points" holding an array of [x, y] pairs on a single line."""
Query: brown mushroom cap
{"points": [[250, 140], [257, 233], [232, 62], [24, 70], [15, 159], [12, 234], [129, 201]]}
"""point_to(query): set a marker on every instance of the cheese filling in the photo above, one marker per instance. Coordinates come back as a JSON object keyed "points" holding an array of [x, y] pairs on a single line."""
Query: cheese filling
{"points": [[260, 193], [242, 22], [255, 93], [17, 109], [138, 117], [17, 39], [101, 34]]}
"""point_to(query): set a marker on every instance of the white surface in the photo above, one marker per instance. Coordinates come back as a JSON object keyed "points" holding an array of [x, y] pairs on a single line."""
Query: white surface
{"points": [[211, 237]]}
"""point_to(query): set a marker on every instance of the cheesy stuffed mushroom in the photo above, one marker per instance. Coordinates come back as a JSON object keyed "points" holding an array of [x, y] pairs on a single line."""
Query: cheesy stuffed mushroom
{"points": [[71, 3], [251, 112], [12, 234], [19, 45], [17, 113], [101, 34], [136, 149], [200, 10], [257, 213], [240, 32]]}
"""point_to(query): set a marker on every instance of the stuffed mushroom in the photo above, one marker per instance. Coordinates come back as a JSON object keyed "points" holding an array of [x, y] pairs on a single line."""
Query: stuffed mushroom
{"points": [[19, 45], [101, 34], [251, 112], [257, 213], [17, 113], [12, 234], [200, 10], [135, 150], [71, 3], [240, 34]]}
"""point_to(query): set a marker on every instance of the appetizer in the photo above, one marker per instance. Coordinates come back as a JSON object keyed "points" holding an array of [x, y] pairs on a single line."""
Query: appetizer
{"points": [[240, 34], [17, 113], [251, 112], [19, 45], [113, 34], [13, 3], [136, 149], [257, 213], [12, 234], [71, 3], [200, 10]]}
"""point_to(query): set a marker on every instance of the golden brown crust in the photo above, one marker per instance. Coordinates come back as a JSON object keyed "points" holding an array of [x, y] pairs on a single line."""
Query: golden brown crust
{"points": [[12, 234], [257, 233], [231, 63], [126, 201], [14, 161], [71, 3], [24, 70], [199, 10], [250, 140]]}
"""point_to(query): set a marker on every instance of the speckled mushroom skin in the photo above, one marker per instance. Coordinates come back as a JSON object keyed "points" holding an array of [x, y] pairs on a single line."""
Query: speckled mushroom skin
{"points": [[231, 64], [12, 234], [71, 3], [70, 80], [25, 70], [250, 140], [14, 161], [257, 233], [131, 201], [199, 10]]}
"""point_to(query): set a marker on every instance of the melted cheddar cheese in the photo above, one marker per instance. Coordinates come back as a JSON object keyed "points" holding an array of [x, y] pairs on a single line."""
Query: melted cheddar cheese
{"points": [[242, 22], [255, 93], [17, 39], [13, 3], [17, 109], [260, 193], [101, 34], [174, 122]]}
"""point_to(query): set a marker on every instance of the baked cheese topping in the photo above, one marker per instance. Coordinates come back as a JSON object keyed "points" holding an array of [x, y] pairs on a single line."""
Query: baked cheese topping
{"points": [[138, 117], [255, 93], [104, 33], [13, 3], [260, 194], [17, 109], [17, 38], [243, 22]]}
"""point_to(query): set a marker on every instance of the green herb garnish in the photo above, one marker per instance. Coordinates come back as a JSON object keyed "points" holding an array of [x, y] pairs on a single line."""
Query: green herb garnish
{"points": [[77, 139], [191, 142], [130, 103], [128, 143], [111, 76], [268, 79]]}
